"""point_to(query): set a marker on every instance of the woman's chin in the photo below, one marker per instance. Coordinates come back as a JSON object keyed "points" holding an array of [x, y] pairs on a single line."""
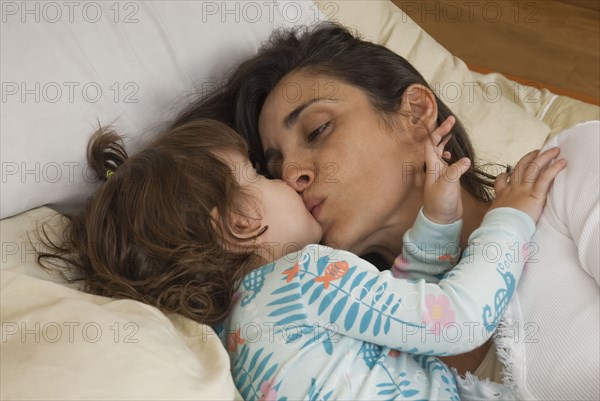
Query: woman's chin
{"points": [[332, 240]]}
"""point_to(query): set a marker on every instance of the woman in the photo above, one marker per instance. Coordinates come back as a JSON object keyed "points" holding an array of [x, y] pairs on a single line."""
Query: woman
{"points": [[344, 121]]}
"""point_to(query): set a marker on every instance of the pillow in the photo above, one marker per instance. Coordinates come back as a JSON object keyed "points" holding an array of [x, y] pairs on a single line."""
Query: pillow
{"points": [[60, 343], [129, 64], [68, 67]]}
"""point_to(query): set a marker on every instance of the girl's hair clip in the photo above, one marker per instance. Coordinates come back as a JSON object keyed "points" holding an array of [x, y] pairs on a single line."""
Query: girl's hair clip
{"points": [[109, 173]]}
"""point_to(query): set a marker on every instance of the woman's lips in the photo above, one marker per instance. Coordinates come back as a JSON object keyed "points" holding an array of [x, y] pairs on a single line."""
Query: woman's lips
{"points": [[316, 210], [314, 206]]}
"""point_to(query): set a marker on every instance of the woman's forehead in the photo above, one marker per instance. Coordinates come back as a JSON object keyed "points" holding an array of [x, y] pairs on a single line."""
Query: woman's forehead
{"points": [[300, 90], [303, 85]]}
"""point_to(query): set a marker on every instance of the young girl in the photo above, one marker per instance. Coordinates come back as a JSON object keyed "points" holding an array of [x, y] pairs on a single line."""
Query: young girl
{"points": [[187, 225]]}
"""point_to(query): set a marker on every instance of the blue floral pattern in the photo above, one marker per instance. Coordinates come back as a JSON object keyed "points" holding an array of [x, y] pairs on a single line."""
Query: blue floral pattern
{"points": [[327, 325]]}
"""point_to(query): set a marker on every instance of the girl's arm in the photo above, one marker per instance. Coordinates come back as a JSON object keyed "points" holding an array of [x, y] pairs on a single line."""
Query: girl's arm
{"points": [[345, 294], [348, 295], [429, 250], [431, 247]]}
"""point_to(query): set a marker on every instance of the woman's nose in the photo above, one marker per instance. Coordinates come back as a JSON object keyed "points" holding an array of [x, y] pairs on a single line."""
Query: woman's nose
{"points": [[297, 176]]}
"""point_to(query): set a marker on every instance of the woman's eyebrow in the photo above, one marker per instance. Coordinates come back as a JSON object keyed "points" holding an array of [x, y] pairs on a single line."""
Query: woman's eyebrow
{"points": [[292, 118]]}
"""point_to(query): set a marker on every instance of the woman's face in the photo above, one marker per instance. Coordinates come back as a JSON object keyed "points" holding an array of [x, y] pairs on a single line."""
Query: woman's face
{"points": [[357, 176]]}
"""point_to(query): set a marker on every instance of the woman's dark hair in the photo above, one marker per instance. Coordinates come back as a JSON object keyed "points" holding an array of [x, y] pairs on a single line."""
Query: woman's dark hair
{"points": [[332, 50], [149, 232]]}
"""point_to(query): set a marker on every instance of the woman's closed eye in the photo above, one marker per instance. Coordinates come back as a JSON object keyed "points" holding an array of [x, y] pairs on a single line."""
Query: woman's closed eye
{"points": [[315, 134], [274, 158]]}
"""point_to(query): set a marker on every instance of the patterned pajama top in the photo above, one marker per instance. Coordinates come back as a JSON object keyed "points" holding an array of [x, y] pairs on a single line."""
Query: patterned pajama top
{"points": [[324, 324]]}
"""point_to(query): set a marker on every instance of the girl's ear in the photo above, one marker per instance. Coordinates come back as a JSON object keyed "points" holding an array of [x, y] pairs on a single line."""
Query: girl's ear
{"points": [[419, 105], [244, 227]]}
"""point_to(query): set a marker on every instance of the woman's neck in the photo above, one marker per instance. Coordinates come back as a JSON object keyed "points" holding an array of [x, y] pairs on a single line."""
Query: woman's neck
{"points": [[389, 238]]}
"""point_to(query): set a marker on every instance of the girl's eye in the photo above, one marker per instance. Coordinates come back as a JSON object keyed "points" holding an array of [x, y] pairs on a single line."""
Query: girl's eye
{"points": [[313, 135]]}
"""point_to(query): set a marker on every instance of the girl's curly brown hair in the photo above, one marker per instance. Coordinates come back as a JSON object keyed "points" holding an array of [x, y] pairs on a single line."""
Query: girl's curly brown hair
{"points": [[148, 233]]}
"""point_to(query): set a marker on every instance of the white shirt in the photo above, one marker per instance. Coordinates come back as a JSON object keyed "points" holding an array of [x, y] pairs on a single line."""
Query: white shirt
{"points": [[551, 338]]}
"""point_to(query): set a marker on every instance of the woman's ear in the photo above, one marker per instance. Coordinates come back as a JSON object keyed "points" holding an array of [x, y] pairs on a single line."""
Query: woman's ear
{"points": [[419, 105]]}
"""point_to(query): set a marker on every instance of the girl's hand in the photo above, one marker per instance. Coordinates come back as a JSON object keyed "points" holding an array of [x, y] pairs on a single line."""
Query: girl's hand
{"points": [[443, 199], [528, 184]]}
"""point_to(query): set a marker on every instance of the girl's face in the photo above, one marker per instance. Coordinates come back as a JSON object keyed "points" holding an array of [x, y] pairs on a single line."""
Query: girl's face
{"points": [[357, 177], [276, 205]]}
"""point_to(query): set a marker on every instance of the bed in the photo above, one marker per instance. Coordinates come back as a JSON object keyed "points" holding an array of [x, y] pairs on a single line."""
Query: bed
{"points": [[134, 65]]}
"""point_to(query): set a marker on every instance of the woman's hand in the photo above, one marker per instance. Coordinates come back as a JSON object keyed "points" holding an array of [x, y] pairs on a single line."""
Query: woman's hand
{"points": [[443, 198], [526, 187]]}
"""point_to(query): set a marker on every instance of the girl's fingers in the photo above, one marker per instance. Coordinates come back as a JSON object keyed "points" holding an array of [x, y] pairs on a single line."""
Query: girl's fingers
{"points": [[543, 184], [431, 155], [439, 139], [440, 134], [457, 169], [520, 171], [536, 167], [444, 141], [544, 159], [446, 155], [440, 148], [501, 182]]}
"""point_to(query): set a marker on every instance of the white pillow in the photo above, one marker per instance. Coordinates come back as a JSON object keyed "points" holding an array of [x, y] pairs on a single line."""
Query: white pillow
{"points": [[60, 343], [66, 66]]}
